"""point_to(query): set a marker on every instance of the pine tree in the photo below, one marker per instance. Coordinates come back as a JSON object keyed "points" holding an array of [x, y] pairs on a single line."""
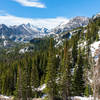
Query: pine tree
{"points": [[87, 90], [66, 73], [0, 79], [26, 86], [18, 92], [78, 76], [34, 79], [51, 73], [74, 50]]}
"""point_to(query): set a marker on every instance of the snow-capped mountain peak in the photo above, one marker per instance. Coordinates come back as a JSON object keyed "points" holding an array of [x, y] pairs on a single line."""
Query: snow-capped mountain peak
{"points": [[71, 24], [26, 32]]}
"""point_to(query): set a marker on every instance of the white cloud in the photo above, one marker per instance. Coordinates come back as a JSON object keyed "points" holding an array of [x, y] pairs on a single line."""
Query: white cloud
{"points": [[45, 22], [31, 3]]}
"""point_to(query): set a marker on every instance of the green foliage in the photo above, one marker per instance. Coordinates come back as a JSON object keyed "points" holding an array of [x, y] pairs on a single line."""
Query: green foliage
{"points": [[87, 91], [51, 73], [65, 76], [78, 79], [61, 69]]}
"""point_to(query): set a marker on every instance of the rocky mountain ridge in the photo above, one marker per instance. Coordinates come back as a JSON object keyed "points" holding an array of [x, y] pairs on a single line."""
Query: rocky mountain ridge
{"points": [[26, 32]]}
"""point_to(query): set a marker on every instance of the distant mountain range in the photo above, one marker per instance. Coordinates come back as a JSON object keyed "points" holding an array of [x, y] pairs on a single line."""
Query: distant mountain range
{"points": [[72, 24], [26, 32]]}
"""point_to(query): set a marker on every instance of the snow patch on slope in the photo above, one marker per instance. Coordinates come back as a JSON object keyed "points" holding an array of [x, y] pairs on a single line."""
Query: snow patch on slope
{"points": [[42, 87], [82, 98], [2, 97], [95, 50], [5, 43], [94, 47], [23, 50], [3, 37]]}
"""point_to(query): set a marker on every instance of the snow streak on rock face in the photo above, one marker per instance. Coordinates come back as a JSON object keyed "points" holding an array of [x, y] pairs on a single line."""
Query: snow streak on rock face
{"points": [[95, 50], [5, 43]]}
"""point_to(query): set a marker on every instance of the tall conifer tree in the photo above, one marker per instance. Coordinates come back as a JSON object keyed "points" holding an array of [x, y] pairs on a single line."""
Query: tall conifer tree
{"points": [[66, 73], [51, 73]]}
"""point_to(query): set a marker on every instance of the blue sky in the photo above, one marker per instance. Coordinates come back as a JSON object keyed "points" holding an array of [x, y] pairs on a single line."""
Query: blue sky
{"points": [[46, 9], [54, 8]]}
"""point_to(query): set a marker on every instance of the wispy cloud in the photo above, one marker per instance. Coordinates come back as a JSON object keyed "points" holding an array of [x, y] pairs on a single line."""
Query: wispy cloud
{"points": [[3, 13], [39, 22], [31, 3]]}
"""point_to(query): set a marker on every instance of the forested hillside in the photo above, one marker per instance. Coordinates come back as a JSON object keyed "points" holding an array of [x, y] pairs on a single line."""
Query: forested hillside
{"points": [[51, 72]]}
